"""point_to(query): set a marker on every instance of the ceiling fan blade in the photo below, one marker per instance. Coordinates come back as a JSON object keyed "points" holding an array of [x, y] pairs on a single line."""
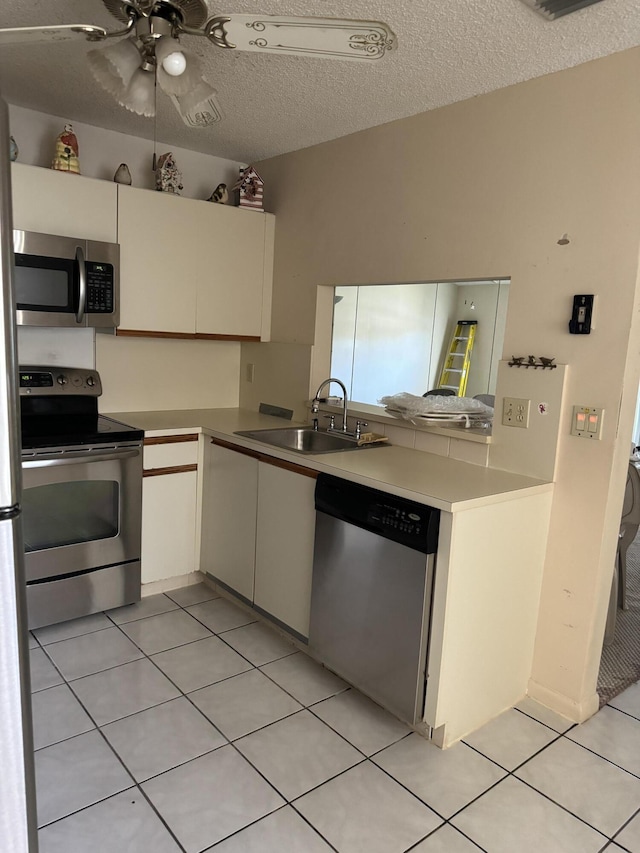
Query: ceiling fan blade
{"points": [[328, 38], [61, 32], [200, 107]]}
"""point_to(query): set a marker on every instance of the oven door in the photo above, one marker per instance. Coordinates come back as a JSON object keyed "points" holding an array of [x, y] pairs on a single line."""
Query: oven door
{"points": [[81, 509]]}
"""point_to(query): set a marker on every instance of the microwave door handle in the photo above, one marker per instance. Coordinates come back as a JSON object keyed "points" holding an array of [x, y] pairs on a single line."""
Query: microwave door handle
{"points": [[82, 295]]}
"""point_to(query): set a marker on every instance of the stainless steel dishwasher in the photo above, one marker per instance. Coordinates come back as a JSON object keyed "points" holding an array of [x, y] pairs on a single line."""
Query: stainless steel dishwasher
{"points": [[373, 574]]}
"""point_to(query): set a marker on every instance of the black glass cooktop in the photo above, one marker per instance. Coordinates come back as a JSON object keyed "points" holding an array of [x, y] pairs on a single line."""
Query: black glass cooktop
{"points": [[59, 407], [64, 430]]}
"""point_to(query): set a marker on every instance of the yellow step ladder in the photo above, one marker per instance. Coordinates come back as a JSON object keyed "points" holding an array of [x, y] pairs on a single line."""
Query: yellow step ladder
{"points": [[456, 364]]}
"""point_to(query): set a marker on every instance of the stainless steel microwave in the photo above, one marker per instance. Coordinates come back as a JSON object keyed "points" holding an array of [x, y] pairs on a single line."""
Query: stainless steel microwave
{"points": [[63, 281]]}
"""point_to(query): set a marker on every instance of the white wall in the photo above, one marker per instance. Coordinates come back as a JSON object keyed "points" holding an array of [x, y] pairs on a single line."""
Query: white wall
{"points": [[148, 374], [382, 339], [497, 206], [56, 347], [101, 152], [484, 298]]}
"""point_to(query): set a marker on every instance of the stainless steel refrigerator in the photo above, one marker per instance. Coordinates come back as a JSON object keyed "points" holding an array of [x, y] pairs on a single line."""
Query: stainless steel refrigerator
{"points": [[17, 789]]}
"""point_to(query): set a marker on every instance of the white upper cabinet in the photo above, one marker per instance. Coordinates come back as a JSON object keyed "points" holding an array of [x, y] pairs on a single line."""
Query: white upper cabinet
{"points": [[161, 255], [187, 268], [194, 268], [231, 284], [62, 203]]}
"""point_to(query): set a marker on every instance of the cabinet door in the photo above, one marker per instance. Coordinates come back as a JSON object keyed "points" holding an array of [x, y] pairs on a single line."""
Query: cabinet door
{"points": [[284, 545], [230, 292], [228, 535], [161, 258], [168, 525], [60, 203]]}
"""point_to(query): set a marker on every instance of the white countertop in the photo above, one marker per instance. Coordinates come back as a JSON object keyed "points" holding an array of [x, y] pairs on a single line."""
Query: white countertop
{"points": [[438, 481]]}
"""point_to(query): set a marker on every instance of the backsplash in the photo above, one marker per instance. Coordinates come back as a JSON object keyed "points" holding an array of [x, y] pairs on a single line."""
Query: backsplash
{"points": [[56, 347]]}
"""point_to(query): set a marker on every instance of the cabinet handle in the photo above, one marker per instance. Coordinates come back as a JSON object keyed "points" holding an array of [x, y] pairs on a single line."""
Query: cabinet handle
{"points": [[269, 460], [175, 469], [170, 439]]}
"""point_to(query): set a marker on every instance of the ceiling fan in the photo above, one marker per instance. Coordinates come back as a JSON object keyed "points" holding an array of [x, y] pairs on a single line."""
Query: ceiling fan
{"points": [[148, 50]]}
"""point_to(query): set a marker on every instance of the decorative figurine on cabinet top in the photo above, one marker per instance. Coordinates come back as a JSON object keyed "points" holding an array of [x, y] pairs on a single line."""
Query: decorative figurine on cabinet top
{"points": [[66, 155], [168, 176], [220, 195], [251, 188], [122, 175], [13, 149]]}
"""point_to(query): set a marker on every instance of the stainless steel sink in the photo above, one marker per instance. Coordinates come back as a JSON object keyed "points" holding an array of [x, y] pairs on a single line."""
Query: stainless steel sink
{"points": [[304, 439]]}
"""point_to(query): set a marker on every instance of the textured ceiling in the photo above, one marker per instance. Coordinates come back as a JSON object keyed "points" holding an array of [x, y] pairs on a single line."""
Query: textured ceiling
{"points": [[448, 50]]}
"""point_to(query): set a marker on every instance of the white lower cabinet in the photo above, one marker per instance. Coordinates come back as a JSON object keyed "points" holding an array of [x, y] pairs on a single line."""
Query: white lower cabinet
{"points": [[169, 501], [284, 545], [258, 523], [228, 537]]}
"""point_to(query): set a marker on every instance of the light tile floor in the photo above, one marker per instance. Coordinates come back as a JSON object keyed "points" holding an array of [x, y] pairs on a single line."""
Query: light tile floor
{"points": [[182, 724]]}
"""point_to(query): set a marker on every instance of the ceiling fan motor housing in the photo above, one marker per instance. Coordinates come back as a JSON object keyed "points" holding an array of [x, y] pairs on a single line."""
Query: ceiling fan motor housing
{"points": [[192, 13], [553, 9]]}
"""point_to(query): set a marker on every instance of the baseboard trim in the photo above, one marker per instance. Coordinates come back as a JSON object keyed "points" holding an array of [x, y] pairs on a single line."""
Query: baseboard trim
{"points": [[561, 704], [154, 587]]}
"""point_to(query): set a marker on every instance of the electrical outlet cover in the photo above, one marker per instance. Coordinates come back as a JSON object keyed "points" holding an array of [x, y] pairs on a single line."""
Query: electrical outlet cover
{"points": [[515, 412]]}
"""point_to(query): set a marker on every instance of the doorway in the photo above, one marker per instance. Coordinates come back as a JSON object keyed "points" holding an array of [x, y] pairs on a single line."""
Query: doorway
{"points": [[620, 661]]}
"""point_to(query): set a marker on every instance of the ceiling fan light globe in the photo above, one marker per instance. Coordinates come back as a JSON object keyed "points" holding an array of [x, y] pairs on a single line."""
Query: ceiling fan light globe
{"points": [[184, 83], [119, 61], [139, 95], [104, 73], [170, 55], [175, 63], [196, 96]]}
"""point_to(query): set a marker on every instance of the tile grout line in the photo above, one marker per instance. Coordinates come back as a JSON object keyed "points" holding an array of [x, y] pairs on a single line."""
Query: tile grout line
{"points": [[535, 719], [542, 793], [455, 828], [229, 742], [136, 785], [309, 707], [365, 758]]}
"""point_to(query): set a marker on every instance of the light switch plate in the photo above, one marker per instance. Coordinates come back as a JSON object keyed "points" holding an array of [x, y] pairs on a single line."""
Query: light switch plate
{"points": [[586, 422], [515, 412]]}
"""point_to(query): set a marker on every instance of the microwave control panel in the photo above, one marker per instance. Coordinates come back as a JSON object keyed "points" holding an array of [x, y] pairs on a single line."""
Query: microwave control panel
{"points": [[100, 287]]}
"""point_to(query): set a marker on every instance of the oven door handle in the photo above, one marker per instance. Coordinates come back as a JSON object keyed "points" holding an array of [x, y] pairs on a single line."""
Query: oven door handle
{"points": [[82, 276], [74, 458]]}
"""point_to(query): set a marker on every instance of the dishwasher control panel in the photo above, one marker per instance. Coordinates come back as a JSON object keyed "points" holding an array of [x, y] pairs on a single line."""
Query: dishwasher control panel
{"points": [[403, 521], [395, 518]]}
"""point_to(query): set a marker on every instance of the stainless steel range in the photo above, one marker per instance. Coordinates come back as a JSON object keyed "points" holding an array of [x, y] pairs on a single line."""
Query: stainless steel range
{"points": [[82, 498]]}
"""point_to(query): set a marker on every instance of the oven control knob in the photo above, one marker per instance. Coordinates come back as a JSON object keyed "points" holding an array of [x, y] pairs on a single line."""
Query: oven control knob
{"points": [[62, 379], [91, 381]]}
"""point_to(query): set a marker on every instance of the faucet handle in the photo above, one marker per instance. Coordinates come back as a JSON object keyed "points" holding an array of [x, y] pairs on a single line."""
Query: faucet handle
{"points": [[359, 425], [332, 421]]}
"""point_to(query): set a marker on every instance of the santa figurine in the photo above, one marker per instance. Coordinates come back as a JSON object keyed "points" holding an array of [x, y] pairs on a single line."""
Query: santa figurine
{"points": [[66, 156]]}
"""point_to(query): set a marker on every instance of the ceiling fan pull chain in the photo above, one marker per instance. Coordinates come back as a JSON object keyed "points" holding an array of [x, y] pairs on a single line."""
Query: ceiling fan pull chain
{"points": [[155, 121]]}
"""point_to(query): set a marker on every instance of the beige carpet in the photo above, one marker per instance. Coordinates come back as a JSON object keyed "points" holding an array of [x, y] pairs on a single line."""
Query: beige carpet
{"points": [[620, 662]]}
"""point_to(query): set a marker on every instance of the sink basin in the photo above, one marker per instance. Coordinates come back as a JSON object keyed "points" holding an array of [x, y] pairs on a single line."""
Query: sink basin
{"points": [[304, 439]]}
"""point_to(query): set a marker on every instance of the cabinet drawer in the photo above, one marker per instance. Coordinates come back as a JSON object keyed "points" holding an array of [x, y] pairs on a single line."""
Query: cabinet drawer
{"points": [[170, 451]]}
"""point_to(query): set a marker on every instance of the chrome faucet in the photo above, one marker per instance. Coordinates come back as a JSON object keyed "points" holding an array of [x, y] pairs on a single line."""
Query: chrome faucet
{"points": [[315, 403]]}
